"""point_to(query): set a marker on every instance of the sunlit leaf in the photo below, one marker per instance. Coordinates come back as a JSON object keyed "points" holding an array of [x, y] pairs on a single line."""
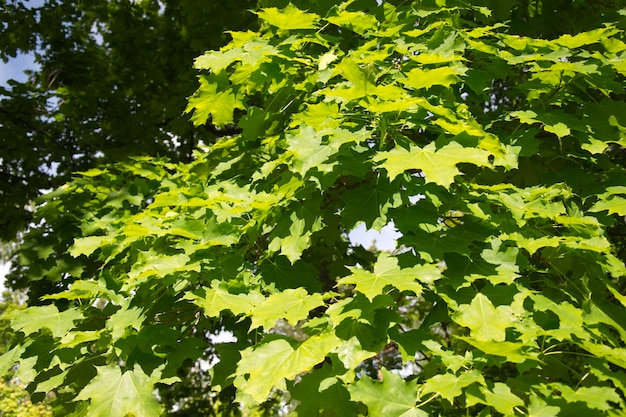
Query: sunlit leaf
{"points": [[438, 165], [208, 101], [33, 319], [485, 321], [392, 396], [113, 393], [291, 305], [387, 273], [450, 386], [288, 18], [266, 367]]}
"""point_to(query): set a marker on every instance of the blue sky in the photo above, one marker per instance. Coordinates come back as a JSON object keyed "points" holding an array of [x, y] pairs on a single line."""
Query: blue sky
{"points": [[14, 69]]}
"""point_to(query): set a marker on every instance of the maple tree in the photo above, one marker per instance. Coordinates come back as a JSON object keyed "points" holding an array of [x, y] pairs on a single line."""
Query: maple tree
{"points": [[494, 147]]}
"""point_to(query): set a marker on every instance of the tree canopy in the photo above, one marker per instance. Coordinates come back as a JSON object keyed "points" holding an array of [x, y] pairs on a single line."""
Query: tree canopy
{"points": [[492, 141]]}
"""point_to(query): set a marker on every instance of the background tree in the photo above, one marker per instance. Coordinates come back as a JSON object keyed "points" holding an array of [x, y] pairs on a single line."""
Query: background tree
{"points": [[112, 81], [495, 148]]}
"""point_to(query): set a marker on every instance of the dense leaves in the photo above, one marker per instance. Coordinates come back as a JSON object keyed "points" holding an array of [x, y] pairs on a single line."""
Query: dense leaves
{"points": [[496, 149], [14, 402]]}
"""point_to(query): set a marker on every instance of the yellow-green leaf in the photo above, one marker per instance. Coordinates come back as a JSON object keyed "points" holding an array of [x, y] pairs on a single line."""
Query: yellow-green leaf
{"points": [[288, 18]]}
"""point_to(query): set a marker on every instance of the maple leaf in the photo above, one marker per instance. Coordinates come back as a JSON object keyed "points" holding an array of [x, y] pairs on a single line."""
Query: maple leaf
{"points": [[292, 305], [502, 399], [539, 408], [484, 320], [208, 101], [612, 201], [288, 18], [218, 60], [359, 21], [438, 165], [87, 245], [370, 203], [115, 394], [266, 366], [393, 397], [388, 273], [124, 318], [33, 319], [320, 390], [9, 358], [292, 241], [424, 78], [450, 386], [308, 152], [217, 298], [159, 265]]}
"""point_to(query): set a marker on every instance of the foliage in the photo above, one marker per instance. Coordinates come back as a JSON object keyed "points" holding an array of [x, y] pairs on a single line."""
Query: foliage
{"points": [[497, 151], [111, 82], [14, 402]]}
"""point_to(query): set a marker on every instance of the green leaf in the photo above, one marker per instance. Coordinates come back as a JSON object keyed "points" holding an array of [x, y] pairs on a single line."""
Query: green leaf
{"points": [[115, 394], [613, 201], [539, 408], [359, 22], [33, 319], [10, 358], [370, 204], [515, 352], [450, 386], [508, 269], [292, 305], [217, 298], [308, 151], [570, 317], [585, 38], [288, 18], [320, 390], [160, 265], [486, 322], [391, 397], [87, 245], [326, 60], [502, 399], [208, 101], [350, 69], [438, 165], [616, 205], [253, 124], [387, 273], [552, 123], [218, 60], [424, 78], [303, 222], [124, 318], [266, 366]]}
